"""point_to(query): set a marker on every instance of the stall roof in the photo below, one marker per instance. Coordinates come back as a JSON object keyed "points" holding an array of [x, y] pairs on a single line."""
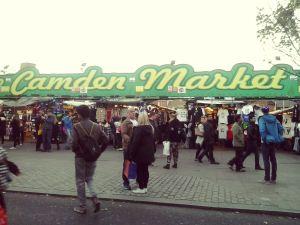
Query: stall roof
{"points": [[24, 101], [219, 102]]}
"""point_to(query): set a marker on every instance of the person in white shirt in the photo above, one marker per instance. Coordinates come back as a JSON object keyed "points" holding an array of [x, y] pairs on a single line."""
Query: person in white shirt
{"points": [[199, 132], [223, 116]]}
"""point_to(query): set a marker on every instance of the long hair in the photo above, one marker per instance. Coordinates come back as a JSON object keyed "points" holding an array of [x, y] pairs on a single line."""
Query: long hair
{"points": [[143, 119]]}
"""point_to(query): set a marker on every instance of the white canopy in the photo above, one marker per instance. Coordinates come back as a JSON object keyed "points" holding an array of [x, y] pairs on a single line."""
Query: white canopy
{"points": [[78, 103]]}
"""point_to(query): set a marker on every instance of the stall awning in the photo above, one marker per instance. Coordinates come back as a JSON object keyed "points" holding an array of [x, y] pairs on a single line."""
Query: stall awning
{"points": [[78, 103], [219, 102], [24, 101]]}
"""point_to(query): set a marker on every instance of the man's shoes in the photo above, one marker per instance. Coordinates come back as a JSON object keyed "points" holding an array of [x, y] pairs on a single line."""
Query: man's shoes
{"points": [[259, 168], [230, 164], [38, 150], [96, 204], [264, 182], [127, 187], [243, 167], [167, 166], [216, 163], [196, 159], [175, 165], [13, 148], [140, 191], [240, 171], [80, 209], [200, 161], [273, 182]]}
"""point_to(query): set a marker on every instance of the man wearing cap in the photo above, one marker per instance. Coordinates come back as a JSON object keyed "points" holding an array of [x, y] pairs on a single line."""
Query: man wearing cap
{"points": [[271, 134]]}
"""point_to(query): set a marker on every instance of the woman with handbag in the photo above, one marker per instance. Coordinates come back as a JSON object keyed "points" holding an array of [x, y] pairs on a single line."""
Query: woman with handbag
{"points": [[141, 151]]}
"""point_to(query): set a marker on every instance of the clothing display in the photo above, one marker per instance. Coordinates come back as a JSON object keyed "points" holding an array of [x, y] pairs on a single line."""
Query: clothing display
{"points": [[223, 116], [247, 109], [296, 147], [258, 113], [286, 120], [222, 130]]}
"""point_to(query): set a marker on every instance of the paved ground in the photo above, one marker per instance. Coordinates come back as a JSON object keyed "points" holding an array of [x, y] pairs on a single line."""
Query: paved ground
{"points": [[49, 210], [191, 184]]}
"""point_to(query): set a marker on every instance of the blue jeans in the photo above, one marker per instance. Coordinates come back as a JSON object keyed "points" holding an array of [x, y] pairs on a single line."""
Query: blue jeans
{"points": [[268, 152]]}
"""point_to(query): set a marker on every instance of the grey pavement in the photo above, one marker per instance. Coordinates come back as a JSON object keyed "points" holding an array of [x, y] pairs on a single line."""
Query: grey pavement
{"points": [[192, 184], [29, 209]]}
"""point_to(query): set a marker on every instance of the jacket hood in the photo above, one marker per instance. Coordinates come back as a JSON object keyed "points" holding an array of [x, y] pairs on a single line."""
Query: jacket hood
{"points": [[270, 118]]}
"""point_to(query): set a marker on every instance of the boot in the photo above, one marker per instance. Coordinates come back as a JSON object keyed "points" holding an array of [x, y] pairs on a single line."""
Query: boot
{"points": [[167, 166]]}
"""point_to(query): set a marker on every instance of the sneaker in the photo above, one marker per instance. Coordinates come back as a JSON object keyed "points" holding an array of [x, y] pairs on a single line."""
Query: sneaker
{"points": [[96, 204], [13, 148], [140, 191], [127, 187], [120, 149], [80, 209], [146, 190], [167, 166], [175, 166], [21, 144], [259, 168]]}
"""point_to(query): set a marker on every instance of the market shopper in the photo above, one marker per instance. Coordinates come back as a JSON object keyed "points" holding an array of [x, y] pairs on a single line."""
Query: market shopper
{"points": [[23, 122], [15, 129], [39, 123], [50, 120], [68, 126], [2, 127], [56, 133], [85, 166], [126, 132], [253, 139], [153, 116], [199, 133], [141, 151], [238, 144], [174, 131], [271, 134], [118, 135], [209, 140]]}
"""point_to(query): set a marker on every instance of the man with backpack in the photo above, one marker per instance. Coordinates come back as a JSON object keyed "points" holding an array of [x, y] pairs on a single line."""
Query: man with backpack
{"points": [[271, 134], [88, 143]]}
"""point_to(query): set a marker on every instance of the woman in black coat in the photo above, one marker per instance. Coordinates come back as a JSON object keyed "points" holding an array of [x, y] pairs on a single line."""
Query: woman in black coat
{"points": [[141, 151]]}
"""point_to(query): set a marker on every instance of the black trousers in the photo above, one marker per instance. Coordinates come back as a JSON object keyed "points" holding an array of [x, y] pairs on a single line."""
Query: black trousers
{"points": [[2, 201], [22, 137], [199, 148], [16, 139], [2, 139], [208, 151], [142, 175], [124, 177], [39, 141], [252, 148], [237, 160]]}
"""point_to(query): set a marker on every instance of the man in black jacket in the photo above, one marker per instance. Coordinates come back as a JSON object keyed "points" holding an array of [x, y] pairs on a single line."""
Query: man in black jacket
{"points": [[209, 140], [253, 139], [174, 134]]}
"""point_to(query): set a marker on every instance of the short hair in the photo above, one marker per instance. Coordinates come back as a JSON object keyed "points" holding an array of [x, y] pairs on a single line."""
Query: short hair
{"points": [[83, 111], [237, 118], [143, 119]]}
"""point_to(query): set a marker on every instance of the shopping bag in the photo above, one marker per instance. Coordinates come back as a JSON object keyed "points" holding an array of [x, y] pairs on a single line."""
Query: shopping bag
{"points": [[132, 171], [166, 150], [3, 217]]}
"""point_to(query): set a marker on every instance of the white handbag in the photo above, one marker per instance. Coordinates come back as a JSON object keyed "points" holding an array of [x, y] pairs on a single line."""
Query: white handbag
{"points": [[166, 150]]}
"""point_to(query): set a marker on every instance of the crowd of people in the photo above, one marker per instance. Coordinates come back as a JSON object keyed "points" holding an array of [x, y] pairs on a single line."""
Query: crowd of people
{"points": [[138, 137]]}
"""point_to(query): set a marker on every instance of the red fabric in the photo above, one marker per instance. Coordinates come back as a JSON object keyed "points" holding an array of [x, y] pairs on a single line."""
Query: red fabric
{"points": [[229, 133], [3, 217]]}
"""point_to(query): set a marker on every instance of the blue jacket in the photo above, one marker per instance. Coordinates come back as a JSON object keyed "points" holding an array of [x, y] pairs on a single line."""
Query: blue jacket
{"points": [[270, 129]]}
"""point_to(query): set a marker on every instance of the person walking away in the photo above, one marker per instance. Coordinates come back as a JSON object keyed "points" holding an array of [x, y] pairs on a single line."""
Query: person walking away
{"points": [[85, 166], [209, 140], [68, 126], [126, 131], [47, 131], [238, 144], [271, 132], [141, 151], [15, 127], [173, 134], [199, 132], [39, 123], [117, 125], [2, 127], [253, 139]]}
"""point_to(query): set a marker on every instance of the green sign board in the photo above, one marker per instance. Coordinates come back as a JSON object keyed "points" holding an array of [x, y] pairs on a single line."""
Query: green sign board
{"points": [[157, 81]]}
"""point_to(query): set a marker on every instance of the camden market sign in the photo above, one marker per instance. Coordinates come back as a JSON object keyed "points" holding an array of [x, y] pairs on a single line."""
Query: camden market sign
{"points": [[157, 81]]}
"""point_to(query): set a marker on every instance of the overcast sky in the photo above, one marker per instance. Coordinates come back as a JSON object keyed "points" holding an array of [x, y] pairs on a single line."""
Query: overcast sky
{"points": [[122, 35]]}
